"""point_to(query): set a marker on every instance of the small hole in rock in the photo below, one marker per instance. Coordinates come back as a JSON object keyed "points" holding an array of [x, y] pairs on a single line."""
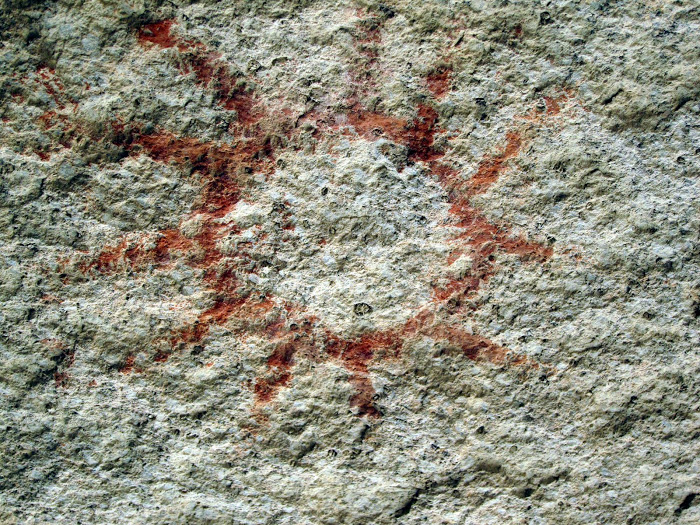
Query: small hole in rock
{"points": [[362, 309]]}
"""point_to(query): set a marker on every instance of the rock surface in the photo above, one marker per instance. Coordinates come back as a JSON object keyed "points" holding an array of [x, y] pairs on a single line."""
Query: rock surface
{"points": [[349, 262]]}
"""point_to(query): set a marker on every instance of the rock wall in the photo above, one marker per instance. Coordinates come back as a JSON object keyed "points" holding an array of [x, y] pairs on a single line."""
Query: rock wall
{"points": [[349, 262]]}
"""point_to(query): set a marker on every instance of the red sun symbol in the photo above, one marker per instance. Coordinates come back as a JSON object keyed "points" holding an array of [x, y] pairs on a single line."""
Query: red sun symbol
{"points": [[231, 171]]}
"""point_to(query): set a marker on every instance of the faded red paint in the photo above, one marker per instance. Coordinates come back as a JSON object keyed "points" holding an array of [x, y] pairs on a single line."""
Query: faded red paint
{"points": [[107, 259], [548, 107], [226, 171], [58, 118], [363, 398], [491, 168], [552, 105], [171, 242], [65, 360], [266, 389], [52, 84], [159, 33], [54, 344], [60, 379], [224, 167], [371, 124], [293, 337], [128, 366], [439, 81], [278, 375], [483, 237], [161, 357], [218, 314], [356, 354], [518, 32], [208, 69]]}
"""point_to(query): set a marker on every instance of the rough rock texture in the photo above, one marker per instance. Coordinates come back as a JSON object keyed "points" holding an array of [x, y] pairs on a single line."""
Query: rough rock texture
{"points": [[349, 262]]}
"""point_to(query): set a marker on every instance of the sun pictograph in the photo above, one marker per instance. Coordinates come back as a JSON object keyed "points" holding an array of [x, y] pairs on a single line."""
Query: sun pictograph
{"points": [[235, 260]]}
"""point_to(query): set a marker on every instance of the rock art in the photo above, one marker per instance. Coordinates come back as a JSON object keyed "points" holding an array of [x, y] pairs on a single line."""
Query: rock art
{"points": [[349, 263]]}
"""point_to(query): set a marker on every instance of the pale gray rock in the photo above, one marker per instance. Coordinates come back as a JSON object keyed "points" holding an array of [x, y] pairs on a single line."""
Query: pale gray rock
{"points": [[111, 413]]}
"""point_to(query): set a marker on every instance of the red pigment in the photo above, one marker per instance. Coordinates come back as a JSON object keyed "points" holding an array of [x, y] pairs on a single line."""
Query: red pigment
{"points": [[485, 239], [223, 166], [363, 398], [226, 167], [356, 354], [158, 33], [65, 361], [52, 84], [295, 337], [266, 389], [208, 69], [491, 168], [439, 81], [128, 366], [56, 118], [373, 124]]}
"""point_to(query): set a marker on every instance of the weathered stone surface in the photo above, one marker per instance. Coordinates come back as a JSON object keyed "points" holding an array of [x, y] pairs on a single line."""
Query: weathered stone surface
{"points": [[349, 263]]}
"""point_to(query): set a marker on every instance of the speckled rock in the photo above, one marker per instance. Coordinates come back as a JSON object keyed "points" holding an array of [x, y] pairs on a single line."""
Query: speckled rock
{"points": [[349, 262]]}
